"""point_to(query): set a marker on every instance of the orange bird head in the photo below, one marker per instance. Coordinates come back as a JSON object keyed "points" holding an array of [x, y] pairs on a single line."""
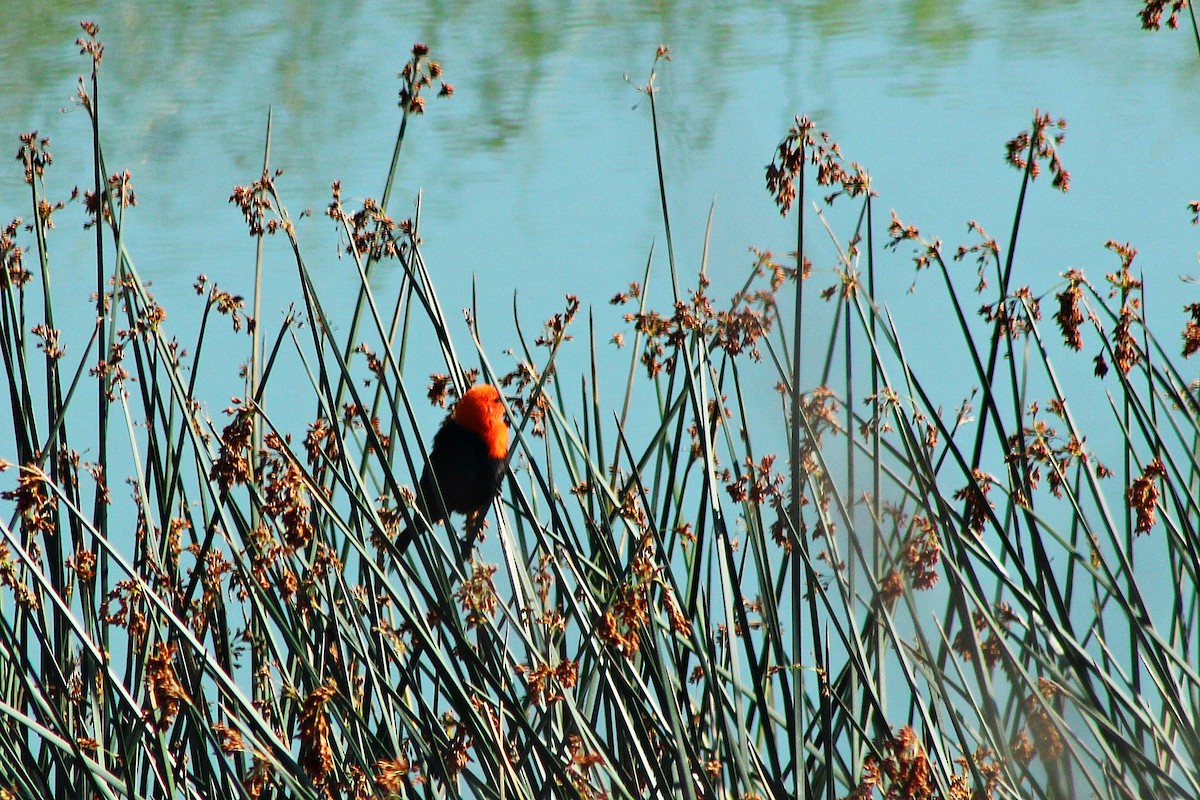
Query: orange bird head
{"points": [[481, 411]]}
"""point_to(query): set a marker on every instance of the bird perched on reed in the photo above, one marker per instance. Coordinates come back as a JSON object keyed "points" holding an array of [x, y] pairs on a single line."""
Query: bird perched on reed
{"points": [[466, 464]]}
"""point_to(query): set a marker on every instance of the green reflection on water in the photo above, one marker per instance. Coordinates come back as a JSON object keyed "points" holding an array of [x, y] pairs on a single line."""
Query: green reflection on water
{"points": [[204, 56]]}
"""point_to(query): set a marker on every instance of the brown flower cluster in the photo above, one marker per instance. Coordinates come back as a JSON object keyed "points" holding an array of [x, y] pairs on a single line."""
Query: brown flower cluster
{"points": [[524, 376], [88, 45], [921, 554], [986, 251], [355, 415], [1152, 11], [109, 370], [905, 773], [25, 597], [34, 155], [974, 495], [555, 329], [48, 341], [418, 74], [286, 499], [391, 774], [517, 383], [928, 252], [224, 303], [581, 768], [968, 638], [35, 502], [440, 387], [799, 146], [12, 257], [902, 773], [372, 233], [316, 753], [478, 595], [621, 298], [1142, 495], [765, 263], [83, 563], [213, 570], [1040, 446], [630, 608], [1191, 332], [232, 465], [1122, 282], [1069, 316], [1125, 351], [456, 752], [119, 189], [819, 410], [131, 609], [166, 693], [229, 739], [256, 204], [758, 484], [1047, 738], [1017, 315], [321, 445], [734, 330], [1029, 148], [891, 586], [547, 683]]}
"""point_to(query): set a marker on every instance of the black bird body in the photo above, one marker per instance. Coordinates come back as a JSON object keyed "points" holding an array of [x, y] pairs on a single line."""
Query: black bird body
{"points": [[466, 464], [469, 478]]}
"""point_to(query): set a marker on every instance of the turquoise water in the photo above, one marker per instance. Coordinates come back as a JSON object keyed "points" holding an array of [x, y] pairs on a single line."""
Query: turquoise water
{"points": [[538, 175]]}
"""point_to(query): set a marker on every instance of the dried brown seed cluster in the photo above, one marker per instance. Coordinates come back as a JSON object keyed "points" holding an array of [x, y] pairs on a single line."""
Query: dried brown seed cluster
{"points": [[990, 648], [166, 693], [256, 204], [88, 44], [735, 330], [1142, 495], [621, 625], [800, 146], [975, 496], [548, 683], [478, 595], [232, 465], [1069, 316], [316, 753], [1040, 446], [1152, 11], [1029, 148], [34, 155], [119, 191], [1191, 332], [372, 234], [419, 74]]}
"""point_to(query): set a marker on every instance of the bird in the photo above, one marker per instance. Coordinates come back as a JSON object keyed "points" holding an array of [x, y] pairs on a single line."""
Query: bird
{"points": [[466, 464]]}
